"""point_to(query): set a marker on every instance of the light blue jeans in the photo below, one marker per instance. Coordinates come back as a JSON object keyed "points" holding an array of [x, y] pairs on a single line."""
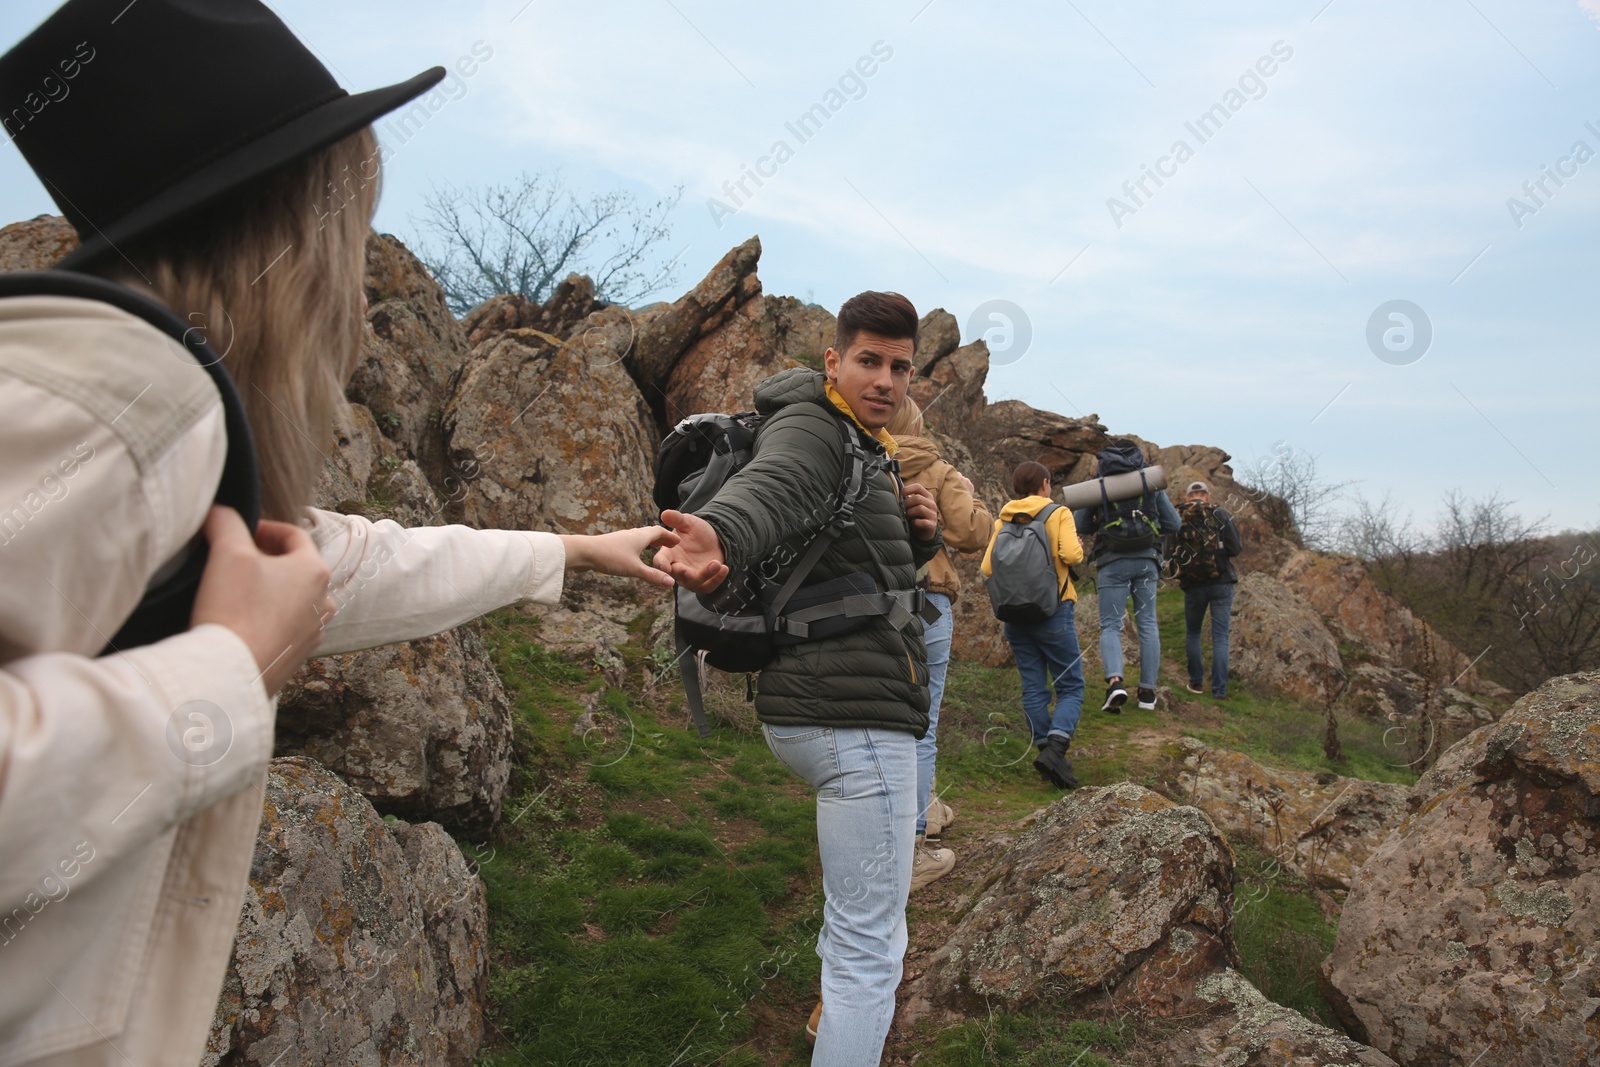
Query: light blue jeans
{"points": [[866, 783], [1049, 661], [1117, 580], [937, 637]]}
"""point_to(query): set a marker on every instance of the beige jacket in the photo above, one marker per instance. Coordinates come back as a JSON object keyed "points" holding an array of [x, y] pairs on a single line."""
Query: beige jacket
{"points": [[962, 519], [131, 785]]}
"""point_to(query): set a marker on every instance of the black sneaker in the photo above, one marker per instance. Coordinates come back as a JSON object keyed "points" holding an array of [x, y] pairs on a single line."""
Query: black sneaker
{"points": [[1147, 698], [1116, 696]]}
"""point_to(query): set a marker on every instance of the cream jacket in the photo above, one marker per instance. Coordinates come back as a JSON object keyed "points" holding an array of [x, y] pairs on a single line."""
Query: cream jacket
{"points": [[131, 784]]}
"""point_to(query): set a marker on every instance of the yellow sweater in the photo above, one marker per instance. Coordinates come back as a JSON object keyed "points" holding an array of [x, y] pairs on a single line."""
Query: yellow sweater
{"points": [[1063, 538]]}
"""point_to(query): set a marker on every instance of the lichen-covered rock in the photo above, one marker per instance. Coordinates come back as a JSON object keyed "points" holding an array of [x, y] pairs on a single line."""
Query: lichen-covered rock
{"points": [[977, 636], [1470, 935], [666, 335], [356, 449], [938, 335], [1398, 695], [1360, 613], [1321, 826], [421, 728], [1113, 889], [571, 302], [590, 623], [765, 335], [410, 353], [1252, 1031], [553, 435], [1280, 645], [950, 390], [356, 944], [36, 244]]}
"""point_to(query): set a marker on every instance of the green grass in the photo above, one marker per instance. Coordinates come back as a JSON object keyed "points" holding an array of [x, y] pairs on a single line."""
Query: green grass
{"points": [[654, 897], [1027, 1040]]}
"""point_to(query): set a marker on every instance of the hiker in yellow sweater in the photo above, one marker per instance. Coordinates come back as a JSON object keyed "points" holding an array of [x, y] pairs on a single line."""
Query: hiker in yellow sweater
{"points": [[1031, 589]]}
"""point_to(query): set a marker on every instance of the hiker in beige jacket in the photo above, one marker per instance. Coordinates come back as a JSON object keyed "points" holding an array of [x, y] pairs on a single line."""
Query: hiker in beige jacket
{"points": [[131, 783], [965, 523]]}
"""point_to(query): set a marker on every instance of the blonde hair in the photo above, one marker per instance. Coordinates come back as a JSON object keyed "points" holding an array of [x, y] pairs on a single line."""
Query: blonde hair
{"points": [[272, 275], [907, 421]]}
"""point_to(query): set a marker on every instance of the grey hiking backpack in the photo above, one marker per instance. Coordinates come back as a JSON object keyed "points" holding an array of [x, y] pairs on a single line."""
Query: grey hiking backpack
{"points": [[1022, 570]]}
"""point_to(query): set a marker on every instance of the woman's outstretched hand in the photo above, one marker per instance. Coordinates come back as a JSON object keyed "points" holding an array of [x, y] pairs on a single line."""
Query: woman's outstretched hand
{"points": [[618, 552], [272, 592], [696, 560]]}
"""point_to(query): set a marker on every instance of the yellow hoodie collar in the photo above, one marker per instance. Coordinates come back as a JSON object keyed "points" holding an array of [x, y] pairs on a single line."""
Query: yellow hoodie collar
{"points": [[881, 436]]}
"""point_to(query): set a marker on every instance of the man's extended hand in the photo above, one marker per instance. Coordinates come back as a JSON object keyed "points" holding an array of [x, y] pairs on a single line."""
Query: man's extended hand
{"points": [[922, 512], [696, 562]]}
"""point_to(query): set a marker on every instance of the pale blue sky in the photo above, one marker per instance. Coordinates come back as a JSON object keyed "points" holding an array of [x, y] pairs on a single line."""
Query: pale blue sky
{"points": [[975, 163]]}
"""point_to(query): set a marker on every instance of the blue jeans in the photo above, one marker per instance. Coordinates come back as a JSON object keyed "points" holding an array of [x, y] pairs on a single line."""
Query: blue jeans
{"points": [[1119, 578], [1048, 658], [1218, 596], [937, 637], [866, 783]]}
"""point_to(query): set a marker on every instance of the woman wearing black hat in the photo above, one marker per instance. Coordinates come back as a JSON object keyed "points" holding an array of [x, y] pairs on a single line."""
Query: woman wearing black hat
{"points": [[207, 161]]}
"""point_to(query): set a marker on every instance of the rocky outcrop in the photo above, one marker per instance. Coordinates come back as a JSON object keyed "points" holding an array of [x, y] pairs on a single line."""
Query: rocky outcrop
{"points": [[1398, 695], [1251, 1031], [555, 434], [410, 354], [720, 370], [571, 302], [422, 728], [1113, 889], [1280, 645], [358, 943], [1360, 613], [36, 244], [1470, 936], [667, 331], [1320, 826], [950, 390]]}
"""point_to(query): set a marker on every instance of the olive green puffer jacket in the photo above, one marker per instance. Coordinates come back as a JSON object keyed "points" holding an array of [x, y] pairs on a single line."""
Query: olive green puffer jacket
{"points": [[875, 676]]}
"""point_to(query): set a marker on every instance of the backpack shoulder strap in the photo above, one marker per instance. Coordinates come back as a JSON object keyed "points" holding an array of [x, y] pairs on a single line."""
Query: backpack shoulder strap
{"points": [[166, 607]]}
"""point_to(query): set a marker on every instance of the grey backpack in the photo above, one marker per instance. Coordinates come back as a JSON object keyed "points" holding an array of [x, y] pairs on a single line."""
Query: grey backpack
{"points": [[1022, 571]]}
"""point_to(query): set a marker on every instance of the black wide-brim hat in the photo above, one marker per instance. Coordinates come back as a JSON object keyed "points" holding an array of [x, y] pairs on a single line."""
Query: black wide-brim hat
{"points": [[133, 114]]}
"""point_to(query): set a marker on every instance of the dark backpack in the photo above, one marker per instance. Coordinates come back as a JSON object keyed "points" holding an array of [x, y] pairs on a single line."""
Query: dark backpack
{"points": [[1022, 570], [739, 626], [1197, 545], [166, 607]]}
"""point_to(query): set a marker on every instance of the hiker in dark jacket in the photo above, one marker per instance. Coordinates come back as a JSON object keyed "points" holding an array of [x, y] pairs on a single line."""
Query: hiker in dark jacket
{"points": [[844, 712], [1202, 561], [1125, 571]]}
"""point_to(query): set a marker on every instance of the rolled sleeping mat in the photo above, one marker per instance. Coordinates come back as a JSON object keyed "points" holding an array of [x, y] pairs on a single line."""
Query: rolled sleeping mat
{"points": [[1123, 486]]}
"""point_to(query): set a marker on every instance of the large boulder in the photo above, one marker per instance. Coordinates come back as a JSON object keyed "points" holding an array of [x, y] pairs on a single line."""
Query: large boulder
{"points": [[1113, 889], [1360, 613], [410, 353], [358, 942], [1470, 936], [720, 370], [669, 331], [1320, 826], [421, 728], [571, 302], [1245, 1029], [1398, 695], [36, 244], [1279, 644], [1008, 432], [555, 434]]}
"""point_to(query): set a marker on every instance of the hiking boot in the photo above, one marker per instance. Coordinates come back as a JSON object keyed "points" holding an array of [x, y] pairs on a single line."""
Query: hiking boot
{"points": [[1193, 688], [812, 1024], [1116, 696], [947, 814], [1053, 765], [1147, 699], [929, 864]]}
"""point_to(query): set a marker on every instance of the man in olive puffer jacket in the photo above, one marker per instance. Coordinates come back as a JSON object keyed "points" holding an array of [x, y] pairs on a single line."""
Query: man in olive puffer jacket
{"points": [[844, 712]]}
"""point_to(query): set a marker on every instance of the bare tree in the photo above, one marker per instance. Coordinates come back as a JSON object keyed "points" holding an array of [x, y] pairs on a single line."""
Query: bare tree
{"points": [[526, 236], [1377, 533], [1293, 498]]}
